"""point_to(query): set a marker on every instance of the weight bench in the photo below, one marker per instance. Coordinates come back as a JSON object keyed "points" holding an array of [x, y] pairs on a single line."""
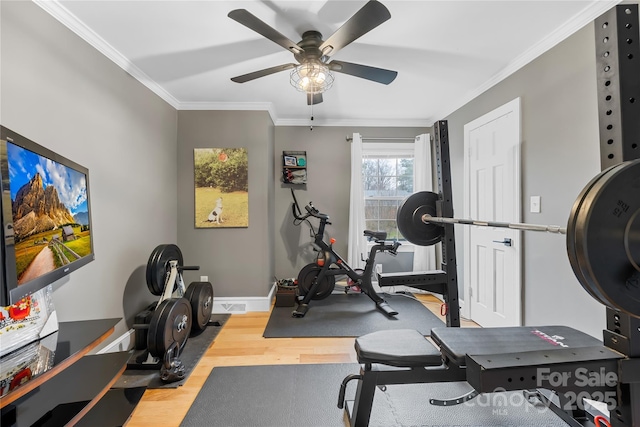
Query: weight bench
{"points": [[490, 359]]}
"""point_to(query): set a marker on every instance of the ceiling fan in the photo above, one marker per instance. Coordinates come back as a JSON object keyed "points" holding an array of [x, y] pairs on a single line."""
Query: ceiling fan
{"points": [[312, 74]]}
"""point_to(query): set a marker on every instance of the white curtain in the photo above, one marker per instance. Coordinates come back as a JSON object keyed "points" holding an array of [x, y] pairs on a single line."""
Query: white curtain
{"points": [[357, 241], [424, 257]]}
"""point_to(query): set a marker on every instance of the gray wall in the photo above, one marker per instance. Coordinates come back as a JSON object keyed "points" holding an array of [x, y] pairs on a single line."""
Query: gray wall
{"points": [[238, 261], [65, 95], [560, 154], [328, 182]]}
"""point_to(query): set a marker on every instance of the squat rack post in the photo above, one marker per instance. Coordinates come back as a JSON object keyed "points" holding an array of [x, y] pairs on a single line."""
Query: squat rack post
{"points": [[617, 43], [445, 208]]}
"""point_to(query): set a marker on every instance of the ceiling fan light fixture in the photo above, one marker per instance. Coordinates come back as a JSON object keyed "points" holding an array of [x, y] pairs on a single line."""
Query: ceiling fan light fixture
{"points": [[312, 77]]}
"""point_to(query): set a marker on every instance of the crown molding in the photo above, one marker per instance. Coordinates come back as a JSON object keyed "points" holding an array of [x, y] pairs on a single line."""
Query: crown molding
{"points": [[587, 15], [69, 20], [268, 106], [230, 106], [419, 123]]}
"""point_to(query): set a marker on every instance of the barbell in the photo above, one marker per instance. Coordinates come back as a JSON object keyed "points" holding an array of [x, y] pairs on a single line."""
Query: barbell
{"points": [[602, 233]]}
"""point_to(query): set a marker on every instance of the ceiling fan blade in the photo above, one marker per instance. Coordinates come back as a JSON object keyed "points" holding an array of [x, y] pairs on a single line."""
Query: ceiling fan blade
{"points": [[379, 75], [366, 19], [261, 73], [250, 21], [314, 98]]}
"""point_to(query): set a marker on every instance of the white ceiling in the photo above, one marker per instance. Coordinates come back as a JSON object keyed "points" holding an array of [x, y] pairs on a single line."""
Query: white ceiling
{"points": [[445, 52]]}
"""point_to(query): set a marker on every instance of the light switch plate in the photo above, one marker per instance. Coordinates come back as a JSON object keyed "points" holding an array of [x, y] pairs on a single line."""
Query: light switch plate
{"points": [[534, 204]]}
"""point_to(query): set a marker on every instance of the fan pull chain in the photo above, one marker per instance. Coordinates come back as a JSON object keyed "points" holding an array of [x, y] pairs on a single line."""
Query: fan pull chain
{"points": [[311, 126]]}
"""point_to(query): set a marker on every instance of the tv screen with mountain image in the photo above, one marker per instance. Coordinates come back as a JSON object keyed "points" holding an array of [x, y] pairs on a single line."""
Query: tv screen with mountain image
{"points": [[48, 228]]}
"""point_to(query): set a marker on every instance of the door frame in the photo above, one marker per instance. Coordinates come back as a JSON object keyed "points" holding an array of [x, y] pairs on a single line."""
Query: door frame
{"points": [[512, 106]]}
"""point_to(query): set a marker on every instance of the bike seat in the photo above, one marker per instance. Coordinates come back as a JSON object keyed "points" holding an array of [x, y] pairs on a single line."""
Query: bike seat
{"points": [[376, 235]]}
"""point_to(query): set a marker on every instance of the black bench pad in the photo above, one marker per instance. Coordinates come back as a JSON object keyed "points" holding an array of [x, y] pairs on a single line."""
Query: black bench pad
{"points": [[455, 343], [399, 348]]}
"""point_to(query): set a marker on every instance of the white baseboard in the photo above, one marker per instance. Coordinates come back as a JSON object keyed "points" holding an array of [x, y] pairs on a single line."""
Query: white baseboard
{"points": [[221, 305], [242, 305]]}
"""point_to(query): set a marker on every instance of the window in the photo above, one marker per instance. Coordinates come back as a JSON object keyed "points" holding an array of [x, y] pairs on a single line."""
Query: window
{"points": [[388, 177]]}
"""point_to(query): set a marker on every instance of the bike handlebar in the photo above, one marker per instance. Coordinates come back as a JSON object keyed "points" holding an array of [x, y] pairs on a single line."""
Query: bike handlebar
{"points": [[391, 247], [315, 212], [311, 211]]}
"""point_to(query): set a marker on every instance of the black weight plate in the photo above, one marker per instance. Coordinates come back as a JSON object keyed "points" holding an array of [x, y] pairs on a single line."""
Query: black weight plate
{"points": [[200, 296], [605, 227], [578, 205], [575, 230], [154, 328], [409, 219], [171, 322], [307, 276], [150, 273], [158, 267]]}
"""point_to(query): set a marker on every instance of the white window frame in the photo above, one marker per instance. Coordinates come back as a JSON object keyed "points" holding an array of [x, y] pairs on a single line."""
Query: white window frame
{"points": [[385, 149]]}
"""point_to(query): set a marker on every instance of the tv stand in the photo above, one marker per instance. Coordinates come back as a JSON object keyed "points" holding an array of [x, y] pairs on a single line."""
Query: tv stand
{"points": [[76, 382]]}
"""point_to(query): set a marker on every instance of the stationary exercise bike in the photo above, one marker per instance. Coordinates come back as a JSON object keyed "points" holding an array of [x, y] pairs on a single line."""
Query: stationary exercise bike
{"points": [[317, 280]]}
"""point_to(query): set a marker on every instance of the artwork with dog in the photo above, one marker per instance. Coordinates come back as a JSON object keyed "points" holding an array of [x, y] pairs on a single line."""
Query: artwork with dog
{"points": [[221, 187]]}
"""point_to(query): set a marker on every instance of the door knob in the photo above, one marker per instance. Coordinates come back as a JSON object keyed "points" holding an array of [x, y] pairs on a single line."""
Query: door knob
{"points": [[506, 241]]}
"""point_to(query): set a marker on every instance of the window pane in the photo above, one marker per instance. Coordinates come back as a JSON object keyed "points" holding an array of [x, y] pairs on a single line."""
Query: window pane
{"points": [[371, 209], [388, 186], [371, 186], [404, 189], [405, 177], [387, 167], [405, 167], [371, 225], [390, 228], [388, 209], [369, 167]]}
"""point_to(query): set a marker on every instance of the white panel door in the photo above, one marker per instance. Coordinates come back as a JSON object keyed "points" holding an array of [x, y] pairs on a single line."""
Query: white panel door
{"points": [[492, 259]]}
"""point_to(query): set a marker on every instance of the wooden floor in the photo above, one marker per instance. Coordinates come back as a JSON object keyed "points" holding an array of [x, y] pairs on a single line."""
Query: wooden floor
{"points": [[240, 343]]}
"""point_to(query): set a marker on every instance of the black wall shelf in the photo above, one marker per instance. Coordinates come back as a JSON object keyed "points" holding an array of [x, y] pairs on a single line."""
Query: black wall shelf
{"points": [[294, 167]]}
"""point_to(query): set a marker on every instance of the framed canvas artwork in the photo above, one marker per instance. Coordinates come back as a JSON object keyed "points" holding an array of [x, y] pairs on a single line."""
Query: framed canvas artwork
{"points": [[221, 187]]}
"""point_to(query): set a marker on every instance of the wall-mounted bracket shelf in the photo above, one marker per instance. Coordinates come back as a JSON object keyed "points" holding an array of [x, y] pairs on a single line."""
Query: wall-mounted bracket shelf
{"points": [[294, 167]]}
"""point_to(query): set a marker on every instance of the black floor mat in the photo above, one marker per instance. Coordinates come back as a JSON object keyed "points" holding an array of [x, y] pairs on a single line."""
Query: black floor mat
{"points": [[192, 352], [350, 315], [307, 396]]}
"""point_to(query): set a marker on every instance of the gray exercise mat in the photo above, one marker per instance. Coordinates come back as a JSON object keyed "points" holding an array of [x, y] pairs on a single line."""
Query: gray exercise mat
{"points": [[350, 315], [307, 396], [194, 349]]}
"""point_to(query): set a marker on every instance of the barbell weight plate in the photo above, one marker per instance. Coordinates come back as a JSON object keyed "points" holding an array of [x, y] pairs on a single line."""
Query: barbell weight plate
{"points": [[158, 267], [409, 219], [571, 234], [171, 322], [154, 327], [200, 296], [150, 273], [605, 227], [579, 263]]}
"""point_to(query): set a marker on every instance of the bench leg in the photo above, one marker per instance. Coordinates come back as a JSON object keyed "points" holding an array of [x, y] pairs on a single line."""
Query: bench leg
{"points": [[364, 398], [370, 379]]}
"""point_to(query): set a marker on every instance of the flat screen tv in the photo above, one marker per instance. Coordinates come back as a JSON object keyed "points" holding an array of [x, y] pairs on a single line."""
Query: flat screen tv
{"points": [[46, 217]]}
